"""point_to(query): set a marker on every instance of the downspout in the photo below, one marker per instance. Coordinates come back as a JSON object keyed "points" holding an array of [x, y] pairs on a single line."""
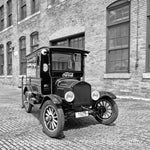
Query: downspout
{"points": [[137, 38]]}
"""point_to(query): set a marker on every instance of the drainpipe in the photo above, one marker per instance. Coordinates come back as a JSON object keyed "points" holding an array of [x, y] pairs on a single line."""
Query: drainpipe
{"points": [[137, 38]]}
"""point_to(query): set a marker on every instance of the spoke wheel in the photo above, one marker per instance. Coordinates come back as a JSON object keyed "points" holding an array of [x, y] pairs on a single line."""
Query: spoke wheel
{"points": [[27, 105], [52, 119], [106, 111]]}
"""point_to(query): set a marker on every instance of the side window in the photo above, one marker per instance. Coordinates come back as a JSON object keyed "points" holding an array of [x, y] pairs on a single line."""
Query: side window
{"points": [[31, 67]]}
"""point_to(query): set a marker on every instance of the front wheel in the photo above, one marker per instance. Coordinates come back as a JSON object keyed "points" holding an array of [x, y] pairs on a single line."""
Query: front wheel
{"points": [[106, 111], [52, 119]]}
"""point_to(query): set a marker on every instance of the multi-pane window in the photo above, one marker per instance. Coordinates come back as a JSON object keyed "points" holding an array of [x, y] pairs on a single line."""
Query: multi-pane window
{"points": [[34, 6], [148, 39], [1, 59], [118, 26], [51, 2], [9, 13], [23, 9], [1, 18], [76, 41], [34, 41], [9, 58], [54, 2], [22, 44]]}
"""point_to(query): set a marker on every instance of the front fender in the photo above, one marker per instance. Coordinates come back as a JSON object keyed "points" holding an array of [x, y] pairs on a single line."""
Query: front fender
{"points": [[54, 98], [108, 94]]}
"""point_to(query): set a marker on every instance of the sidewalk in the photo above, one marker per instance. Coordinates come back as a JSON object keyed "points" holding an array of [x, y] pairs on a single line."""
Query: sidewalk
{"points": [[22, 131]]}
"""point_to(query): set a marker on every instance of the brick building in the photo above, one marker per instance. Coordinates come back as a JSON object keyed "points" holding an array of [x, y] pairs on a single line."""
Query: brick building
{"points": [[116, 32]]}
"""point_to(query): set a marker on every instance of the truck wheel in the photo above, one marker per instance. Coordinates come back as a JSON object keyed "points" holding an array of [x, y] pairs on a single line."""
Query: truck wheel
{"points": [[27, 105], [52, 119], [106, 111]]}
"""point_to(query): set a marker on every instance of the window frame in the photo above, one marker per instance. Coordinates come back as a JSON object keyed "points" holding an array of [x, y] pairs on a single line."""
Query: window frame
{"points": [[21, 50], [67, 40], [9, 54], [9, 13], [32, 45], [34, 7], [1, 17], [51, 2], [115, 6], [147, 68], [1, 58], [23, 6]]}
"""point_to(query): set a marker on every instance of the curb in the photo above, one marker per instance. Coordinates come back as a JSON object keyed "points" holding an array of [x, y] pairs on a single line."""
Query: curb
{"points": [[133, 98]]}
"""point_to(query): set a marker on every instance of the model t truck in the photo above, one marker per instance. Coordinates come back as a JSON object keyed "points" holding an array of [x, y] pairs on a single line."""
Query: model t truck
{"points": [[54, 80]]}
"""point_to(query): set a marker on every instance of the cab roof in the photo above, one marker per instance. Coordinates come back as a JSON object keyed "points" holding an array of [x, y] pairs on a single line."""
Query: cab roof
{"points": [[59, 49]]}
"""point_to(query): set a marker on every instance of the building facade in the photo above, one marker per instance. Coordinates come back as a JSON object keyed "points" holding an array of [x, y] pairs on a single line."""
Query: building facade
{"points": [[116, 32]]}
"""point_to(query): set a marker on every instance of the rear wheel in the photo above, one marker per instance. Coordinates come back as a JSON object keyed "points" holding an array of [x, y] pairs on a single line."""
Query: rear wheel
{"points": [[52, 119], [26, 102], [106, 111]]}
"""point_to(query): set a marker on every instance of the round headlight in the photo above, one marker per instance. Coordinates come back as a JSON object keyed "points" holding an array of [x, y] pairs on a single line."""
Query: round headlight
{"points": [[95, 95], [69, 96]]}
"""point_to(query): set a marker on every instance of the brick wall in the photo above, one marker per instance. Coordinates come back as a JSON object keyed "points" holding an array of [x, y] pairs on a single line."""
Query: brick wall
{"points": [[74, 16], [135, 84]]}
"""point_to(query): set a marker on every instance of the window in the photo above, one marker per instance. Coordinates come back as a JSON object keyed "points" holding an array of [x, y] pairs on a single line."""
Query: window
{"points": [[23, 11], [54, 2], [34, 6], [9, 58], [51, 2], [22, 44], [1, 18], [34, 41], [38, 66], [9, 13], [66, 62], [148, 39], [76, 41], [1, 59], [118, 26]]}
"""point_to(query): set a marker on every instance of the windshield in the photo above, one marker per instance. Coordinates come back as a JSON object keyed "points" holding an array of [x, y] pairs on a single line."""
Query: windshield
{"points": [[66, 62]]}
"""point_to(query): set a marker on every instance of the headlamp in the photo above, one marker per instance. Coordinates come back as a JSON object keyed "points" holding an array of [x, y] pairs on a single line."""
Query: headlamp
{"points": [[69, 96], [95, 95]]}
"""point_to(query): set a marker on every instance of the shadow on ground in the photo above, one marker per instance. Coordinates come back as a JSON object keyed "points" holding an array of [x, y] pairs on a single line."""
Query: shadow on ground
{"points": [[72, 123]]}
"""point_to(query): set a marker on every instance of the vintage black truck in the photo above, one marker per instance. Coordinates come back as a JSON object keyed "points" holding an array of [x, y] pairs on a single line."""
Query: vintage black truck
{"points": [[54, 80]]}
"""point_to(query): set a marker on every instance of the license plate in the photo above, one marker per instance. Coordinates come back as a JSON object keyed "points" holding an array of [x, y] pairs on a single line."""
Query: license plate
{"points": [[81, 114]]}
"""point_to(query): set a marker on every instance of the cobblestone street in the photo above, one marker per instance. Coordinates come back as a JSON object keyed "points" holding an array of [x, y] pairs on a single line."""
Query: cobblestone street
{"points": [[22, 131]]}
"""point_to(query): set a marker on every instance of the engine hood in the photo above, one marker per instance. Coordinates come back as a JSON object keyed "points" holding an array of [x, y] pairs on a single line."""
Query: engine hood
{"points": [[66, 83], [81, 89]]}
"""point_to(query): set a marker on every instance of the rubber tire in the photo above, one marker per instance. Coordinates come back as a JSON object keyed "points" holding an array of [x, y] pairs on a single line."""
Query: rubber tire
{"points": [[114, 113], [29, 108], [59, 131]]}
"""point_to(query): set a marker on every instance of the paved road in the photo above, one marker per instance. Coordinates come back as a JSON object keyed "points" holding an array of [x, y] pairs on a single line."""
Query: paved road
{"points": [[22, 131]]}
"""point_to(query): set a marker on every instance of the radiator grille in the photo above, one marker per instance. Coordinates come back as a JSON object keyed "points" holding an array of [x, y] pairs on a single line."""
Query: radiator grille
{"points": [[82, 91]]}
